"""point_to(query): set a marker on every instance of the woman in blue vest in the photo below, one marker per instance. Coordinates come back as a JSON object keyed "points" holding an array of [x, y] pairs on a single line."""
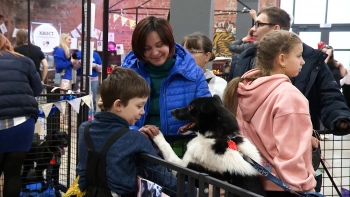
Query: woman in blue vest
{"points": [[64, 62], [172, 74]]}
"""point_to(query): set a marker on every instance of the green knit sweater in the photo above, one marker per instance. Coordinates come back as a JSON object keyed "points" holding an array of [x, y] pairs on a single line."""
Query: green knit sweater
{"points": [[157, 75]]}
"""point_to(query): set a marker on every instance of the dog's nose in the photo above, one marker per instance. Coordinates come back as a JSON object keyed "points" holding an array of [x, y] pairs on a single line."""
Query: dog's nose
{"points": [[172, 112]]}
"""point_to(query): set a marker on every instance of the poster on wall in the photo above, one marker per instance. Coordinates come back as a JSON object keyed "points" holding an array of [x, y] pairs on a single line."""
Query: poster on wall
{"points": [[119, 49], [74, 44], [14, 33], [110, 37], [3, 28], [75, 33], [46, 37], [99, 45]]}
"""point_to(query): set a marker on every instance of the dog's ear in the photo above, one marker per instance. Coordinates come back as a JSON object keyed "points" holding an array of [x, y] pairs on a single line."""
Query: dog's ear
{"points": [[218, 98], [207, 107]]}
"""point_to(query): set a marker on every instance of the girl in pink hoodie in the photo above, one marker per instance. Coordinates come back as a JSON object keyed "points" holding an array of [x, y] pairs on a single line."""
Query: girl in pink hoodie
{"points": [[274, 114]]}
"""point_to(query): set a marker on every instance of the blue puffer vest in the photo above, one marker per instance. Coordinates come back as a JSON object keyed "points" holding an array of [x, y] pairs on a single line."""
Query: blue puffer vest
{"points": [[185, 82]]}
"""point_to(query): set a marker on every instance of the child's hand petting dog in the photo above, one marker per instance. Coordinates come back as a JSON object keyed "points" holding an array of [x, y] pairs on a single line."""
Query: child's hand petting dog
{"points": [[150, 131]]}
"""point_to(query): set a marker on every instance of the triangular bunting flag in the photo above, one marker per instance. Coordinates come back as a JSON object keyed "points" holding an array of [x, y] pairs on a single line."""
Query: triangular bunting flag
{"points": [[58, 105], [87, 100], [46, 108], [75, 103], [132, 23], [115, 17], [39, 129], [63, 106], [124, 20]]}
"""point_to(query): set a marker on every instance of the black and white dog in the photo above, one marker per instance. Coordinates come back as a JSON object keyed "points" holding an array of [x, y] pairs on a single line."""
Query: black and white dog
{"points": [[45, 154], [215, 149]]}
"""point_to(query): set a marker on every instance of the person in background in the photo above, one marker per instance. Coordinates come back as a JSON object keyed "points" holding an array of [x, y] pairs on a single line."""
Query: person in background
{"points": [[315, 80], [337, 68], [64, 62], [274, 114], [96, 68], [172, 74], [201, 48], [240, 45], [111, 46], [32, 51], [19, 85]]}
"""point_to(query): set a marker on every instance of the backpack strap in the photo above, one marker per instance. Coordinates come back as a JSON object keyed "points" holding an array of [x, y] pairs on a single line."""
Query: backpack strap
{"points": [[87, 138], [109, 142], [113, 139]]}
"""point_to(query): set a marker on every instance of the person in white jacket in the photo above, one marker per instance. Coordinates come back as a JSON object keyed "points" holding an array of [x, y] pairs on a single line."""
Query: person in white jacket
{"points": [[201, 48]]}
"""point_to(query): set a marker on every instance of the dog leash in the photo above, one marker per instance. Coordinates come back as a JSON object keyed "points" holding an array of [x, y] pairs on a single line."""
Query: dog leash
{"points": [[274, 179]]}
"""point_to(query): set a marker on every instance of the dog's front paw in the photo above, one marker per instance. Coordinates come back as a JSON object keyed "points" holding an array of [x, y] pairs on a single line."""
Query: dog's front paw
{"points": [[158, 139]]}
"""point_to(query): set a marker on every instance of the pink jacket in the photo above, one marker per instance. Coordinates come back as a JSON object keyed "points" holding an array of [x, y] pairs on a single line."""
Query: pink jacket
{"points": [[274, 115]]}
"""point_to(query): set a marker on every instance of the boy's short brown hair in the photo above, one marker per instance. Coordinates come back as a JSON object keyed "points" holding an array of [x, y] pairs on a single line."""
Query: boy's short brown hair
{"points": [[124, 84]]}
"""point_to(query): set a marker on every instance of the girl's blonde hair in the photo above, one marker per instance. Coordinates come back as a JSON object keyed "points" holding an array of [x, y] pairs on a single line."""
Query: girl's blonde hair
{"points": [[21, 37], [272, 44], [64, 45]]}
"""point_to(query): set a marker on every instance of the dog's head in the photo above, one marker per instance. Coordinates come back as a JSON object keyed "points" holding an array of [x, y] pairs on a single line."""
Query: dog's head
{"points": [[207, 114], [57, 138]]}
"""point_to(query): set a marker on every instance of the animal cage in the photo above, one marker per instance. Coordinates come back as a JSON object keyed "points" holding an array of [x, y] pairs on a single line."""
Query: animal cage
{"points": [[49, 167], [336, 169]]}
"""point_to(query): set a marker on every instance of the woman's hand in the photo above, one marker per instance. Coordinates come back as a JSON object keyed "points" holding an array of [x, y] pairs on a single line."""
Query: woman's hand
{"points": [[314, 142], [74, 61], [252, 14], [150, 131]]}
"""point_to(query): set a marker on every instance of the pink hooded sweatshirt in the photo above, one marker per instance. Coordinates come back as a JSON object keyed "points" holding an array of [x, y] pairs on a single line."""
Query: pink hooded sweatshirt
{"points": [[274, 115]]}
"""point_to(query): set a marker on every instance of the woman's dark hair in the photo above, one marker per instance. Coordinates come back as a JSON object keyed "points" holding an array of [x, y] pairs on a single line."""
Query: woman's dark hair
{"points": [[199, 41], [331, 60], [144, 28]]}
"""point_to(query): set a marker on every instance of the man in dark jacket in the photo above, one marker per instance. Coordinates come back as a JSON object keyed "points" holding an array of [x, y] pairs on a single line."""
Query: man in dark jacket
{"points": [[315, 80]]}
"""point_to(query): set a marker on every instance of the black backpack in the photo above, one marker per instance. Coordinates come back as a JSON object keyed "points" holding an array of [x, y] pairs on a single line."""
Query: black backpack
{"points": [[96, 178]]}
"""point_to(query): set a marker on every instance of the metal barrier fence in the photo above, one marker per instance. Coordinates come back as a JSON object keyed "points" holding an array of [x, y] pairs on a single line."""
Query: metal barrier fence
{"points": [[185, 179], [58, 167], [335, 151], [336, 154]]}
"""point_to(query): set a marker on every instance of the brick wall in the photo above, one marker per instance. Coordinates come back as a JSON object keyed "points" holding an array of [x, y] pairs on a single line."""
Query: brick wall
{"points": [[68, 14]]}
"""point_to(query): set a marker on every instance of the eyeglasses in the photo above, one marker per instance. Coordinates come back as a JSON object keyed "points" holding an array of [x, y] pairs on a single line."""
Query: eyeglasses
{"points": [[259, 24], [195, 51]]}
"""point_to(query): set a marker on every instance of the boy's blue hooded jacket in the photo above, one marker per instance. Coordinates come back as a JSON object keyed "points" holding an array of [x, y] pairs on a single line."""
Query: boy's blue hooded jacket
{"points": [[185, 82]]}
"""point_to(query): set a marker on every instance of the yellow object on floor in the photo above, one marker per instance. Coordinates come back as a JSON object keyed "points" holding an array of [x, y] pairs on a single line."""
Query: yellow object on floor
{"points": [[74, 190]]}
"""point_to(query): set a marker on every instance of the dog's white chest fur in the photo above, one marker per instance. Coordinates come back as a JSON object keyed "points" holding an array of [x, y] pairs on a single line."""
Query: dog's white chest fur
{"points": [[199, 151]]}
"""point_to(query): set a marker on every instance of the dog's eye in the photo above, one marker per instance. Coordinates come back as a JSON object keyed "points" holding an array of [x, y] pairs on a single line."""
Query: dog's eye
{"points": [[190, 108]]}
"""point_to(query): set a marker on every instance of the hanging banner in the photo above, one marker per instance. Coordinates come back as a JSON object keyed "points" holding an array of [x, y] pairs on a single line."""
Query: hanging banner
{"points": [[75, 103], [131, 23], [46, 108], [124, 20], [115, 17]]}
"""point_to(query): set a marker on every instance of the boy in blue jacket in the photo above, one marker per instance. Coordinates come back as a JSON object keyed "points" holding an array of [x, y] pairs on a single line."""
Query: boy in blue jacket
{"points": [[124, 95]]}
